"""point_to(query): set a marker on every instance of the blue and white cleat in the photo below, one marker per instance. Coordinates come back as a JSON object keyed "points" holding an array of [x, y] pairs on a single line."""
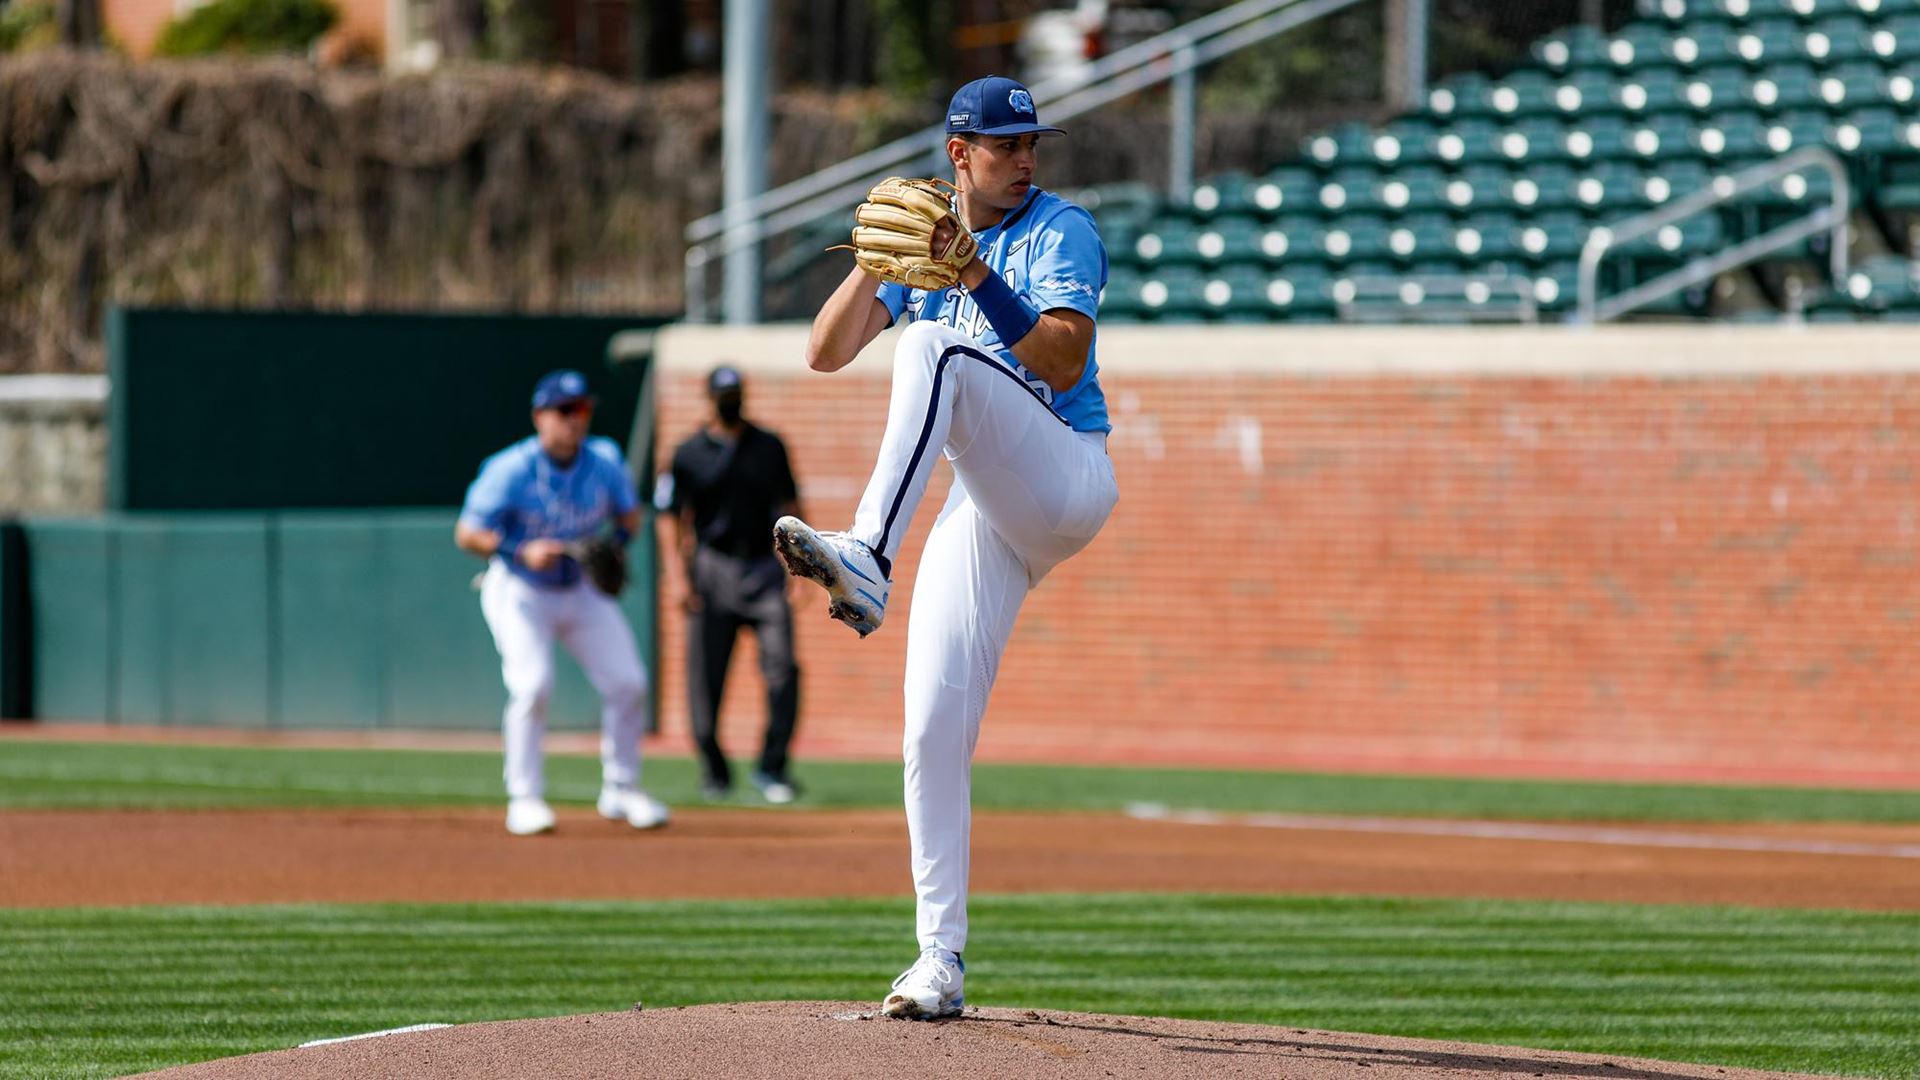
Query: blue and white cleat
{"points": [[930, 989], [845, 567]]}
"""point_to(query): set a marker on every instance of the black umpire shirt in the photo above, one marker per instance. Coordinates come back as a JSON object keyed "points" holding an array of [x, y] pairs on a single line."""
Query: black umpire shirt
{"points": [[735, 487]]}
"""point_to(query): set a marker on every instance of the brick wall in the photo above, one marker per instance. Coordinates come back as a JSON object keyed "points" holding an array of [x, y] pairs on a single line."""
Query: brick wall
{"points": [[1674, 563]]}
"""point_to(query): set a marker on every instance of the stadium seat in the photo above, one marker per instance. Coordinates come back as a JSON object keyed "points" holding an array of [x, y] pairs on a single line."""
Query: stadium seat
{"points": [[1475, 142], [1227, 239], [1537, 138], [1587, 94], [1344, 145], [1854, 85], [1836, 39], [1639, 47], [1553, 237], [1884, 285], [1236, 295], [1165, 240], [1527, 92], [1600, 138], [1611, 189], [1292, 241], [1722, 86], [1171, 293], [1227, 193], [1480, 187], [1405, 141], [1876, 130], [1305, 296], [1651, 90], [1287, 190], [1545, 188], [1349, 191], [1487, 238], [1784, 87], [1459, 97], [1554, 286], [1353, 239], [1421, 237], [1418, 189], [1731, 136], [1670, 180], [1574, 48], [1705, 44], [1896, 40]]}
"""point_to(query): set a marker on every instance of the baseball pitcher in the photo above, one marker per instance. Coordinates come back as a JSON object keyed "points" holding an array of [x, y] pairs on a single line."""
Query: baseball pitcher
{"points": [[1001, 282]]}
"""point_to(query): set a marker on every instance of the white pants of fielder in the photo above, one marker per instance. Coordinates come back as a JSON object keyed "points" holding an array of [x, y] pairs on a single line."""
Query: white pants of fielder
{"points": [[526, 621], [1028, 493]]}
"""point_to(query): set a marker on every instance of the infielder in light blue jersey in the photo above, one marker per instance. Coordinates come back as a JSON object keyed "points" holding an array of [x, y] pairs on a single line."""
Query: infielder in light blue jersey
{"points": [[530, 501], [998, 376]]}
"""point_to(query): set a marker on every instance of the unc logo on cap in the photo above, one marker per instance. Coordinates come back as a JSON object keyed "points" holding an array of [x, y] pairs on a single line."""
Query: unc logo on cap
{"points": [[1021, 101]]}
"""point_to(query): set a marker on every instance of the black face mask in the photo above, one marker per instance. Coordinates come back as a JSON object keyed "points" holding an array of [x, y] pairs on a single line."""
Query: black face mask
{"points": [[728, 409]]}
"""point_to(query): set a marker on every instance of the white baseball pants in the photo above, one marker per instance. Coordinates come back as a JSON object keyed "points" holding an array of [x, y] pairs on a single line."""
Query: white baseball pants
{"points": [[1028, 493], [525, 622]]}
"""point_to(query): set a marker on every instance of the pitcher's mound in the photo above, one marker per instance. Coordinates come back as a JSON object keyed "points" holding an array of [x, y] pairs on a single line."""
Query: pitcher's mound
{"points": [[825, 1039]]}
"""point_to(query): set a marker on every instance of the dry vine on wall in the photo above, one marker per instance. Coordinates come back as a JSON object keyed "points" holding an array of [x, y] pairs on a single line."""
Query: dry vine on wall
{"points": [[273, 184]]}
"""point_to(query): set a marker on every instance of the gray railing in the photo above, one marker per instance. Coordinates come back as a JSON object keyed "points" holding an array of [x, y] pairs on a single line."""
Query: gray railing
{"points": [[1831, 218], [1172, 56]]}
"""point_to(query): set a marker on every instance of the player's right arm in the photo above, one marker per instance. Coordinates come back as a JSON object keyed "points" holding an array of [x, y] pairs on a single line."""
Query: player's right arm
{"points": [[850, 319]]}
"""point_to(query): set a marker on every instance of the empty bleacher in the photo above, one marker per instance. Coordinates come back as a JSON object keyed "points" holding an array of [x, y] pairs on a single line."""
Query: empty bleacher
{"points": [[1479, 204]]}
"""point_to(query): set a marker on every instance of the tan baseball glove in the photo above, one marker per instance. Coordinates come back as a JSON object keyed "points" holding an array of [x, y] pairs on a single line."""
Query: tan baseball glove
{"points": [[893, 239]]}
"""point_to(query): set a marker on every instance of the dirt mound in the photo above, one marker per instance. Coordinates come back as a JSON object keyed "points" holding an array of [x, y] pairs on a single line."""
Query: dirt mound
{"points": [[804, 1039]]}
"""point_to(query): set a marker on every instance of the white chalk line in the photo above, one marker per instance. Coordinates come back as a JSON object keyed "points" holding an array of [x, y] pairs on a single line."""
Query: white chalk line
{"points": [[373, 1034], [1505, 830]]}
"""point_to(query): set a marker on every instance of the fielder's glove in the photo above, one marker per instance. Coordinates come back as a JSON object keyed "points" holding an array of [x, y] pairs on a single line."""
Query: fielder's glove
{"points": [[894, 238], [604, 562]]}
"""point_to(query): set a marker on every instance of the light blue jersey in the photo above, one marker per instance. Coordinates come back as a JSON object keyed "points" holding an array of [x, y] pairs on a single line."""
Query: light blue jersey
{"points": [[1050, 254], [522, 495]]}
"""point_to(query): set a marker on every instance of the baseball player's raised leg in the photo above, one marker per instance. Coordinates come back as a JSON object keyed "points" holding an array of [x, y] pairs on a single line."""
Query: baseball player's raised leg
{"points": [[598, 636], [523, 633], [1044, 487]]}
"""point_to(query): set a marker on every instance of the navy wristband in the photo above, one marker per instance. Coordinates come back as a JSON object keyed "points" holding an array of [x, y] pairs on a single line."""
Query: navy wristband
{"points": [[1009, 316]]}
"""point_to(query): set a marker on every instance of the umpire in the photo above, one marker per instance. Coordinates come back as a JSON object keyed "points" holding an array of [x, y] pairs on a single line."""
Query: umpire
{"points": [[730, 482]]}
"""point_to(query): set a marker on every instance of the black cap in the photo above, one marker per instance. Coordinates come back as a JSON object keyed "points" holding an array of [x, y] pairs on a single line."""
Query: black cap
{"points": [[723, 379]]}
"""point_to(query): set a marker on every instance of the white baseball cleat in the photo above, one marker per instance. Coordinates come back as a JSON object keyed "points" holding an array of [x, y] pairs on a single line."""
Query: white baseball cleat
{"points": [[856, 589], [930, 989], [635, 807], [529, 815]]}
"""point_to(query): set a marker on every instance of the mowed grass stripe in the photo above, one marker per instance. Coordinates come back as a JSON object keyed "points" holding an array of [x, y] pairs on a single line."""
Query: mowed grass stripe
{"points": [[52, 774], [96, 992]]}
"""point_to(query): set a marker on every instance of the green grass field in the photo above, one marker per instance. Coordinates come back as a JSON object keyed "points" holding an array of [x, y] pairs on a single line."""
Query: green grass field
{"points": [[89, 775], [100, 992]]}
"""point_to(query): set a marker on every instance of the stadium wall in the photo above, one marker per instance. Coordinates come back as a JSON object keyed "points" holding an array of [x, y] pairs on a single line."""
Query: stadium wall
{"points": [[1635, 552]]}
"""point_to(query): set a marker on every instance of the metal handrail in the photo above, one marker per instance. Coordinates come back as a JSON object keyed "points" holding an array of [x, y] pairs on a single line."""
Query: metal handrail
{"points": [[1831, 218], [1048, 93], [1130, 70]]}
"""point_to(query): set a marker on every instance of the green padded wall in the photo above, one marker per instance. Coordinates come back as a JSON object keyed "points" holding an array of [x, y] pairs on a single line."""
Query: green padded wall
{"points": [[320, 619], [274, 410], [70, 582]]}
